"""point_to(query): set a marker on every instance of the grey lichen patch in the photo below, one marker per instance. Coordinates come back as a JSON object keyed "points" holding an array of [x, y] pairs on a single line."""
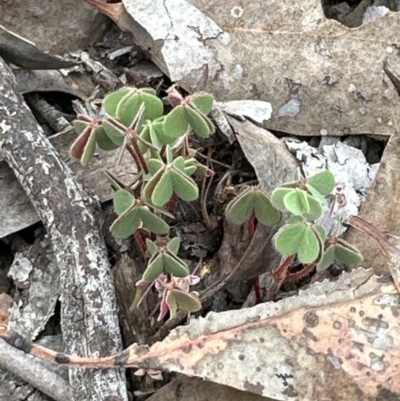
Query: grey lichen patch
{"points": [[337, 325]]}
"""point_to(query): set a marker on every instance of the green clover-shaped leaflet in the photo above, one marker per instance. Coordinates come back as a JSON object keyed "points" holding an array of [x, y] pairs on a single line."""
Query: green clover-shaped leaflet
{"points": [[168, 179], [85, 144], [187, 301], [193, 114], [114, 130], [298, 239], [341, 252], [132, 215], [164, 258], [253, 200], [322, 182], [130, 104], [297, 202], [112, 100]]}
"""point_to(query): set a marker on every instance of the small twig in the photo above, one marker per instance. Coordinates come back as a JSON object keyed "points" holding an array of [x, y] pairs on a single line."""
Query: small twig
{"points": [[34, 372]]}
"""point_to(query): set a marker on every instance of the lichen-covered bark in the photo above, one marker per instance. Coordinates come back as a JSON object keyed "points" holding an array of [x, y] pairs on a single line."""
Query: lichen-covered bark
{"points": [[89, 318]]}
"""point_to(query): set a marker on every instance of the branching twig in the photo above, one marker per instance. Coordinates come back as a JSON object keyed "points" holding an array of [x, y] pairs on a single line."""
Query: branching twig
{"points": [[88, 313]]}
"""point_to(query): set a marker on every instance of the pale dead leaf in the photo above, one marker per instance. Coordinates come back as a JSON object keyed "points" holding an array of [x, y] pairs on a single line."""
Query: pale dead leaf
{"points": [[335, 341], [319, 76], [381, 207]]}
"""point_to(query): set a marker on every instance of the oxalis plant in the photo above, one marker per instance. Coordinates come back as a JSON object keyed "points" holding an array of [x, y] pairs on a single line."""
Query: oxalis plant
{"points": [[300, 237], [135, 121]]}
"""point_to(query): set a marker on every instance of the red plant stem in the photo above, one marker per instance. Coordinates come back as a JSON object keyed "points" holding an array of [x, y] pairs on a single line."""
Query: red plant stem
{"points": [[301, 273], [134, 156], [282, 270], [257, 289], [172, 203], [139, 239], [251, 226]]}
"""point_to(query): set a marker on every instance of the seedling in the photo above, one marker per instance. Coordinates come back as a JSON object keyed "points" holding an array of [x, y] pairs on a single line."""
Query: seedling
{"points": [[135, 122], [301, 237]]}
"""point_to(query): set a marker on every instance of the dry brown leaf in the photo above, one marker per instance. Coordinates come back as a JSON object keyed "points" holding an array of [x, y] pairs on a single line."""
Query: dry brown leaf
{"points": [[57, 27], [5, 303], [333, 342], [382, 207], [320, 77]]}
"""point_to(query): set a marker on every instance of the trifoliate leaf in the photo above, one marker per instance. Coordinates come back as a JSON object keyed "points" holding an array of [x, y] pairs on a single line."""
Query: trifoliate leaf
{"points": [[323, 182], [309, 248], [103, 140], [315, 209], [321, 231], [172, 304], [174, 265], [265, 212], [115, 133], [154, 166], [179, 163], [296, 202], [154, 268], [129, 108], [295, 219], [126, 224], [122, 201], [112, 100], [152, 222], [149, 187], [347, 255], [79, 126], [169, 155], [89, 149], [186, 300], [183, 185], [316, 194], [151, 247], [203, 102], [327, 258], [173, 245], [176, 122], [288, 239], [240, 209], [163, 189], [78, 146], [278, 196], [197, 123]]}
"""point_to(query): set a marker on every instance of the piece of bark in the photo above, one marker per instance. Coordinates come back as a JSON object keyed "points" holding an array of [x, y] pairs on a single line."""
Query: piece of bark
{"points": [[17, 212], [381, 208], [88, 312]]}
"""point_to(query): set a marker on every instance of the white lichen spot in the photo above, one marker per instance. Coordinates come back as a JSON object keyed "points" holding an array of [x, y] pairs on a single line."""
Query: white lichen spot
{"points": [[377, 364], [390, 123], [238, 71], [351, 88], [323, 132], [389, 49], [236, 12], [290, 109], [362, 110], [224, 38], [379, 119], [4, 127], [45, 165]]}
